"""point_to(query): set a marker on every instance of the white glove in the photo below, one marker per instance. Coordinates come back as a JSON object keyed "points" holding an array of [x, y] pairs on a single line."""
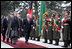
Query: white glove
{"points": [[33, 27]]}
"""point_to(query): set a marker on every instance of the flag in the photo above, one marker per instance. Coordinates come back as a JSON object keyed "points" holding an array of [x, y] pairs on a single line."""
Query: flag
{"points": [[30, 12], [42, 11]]}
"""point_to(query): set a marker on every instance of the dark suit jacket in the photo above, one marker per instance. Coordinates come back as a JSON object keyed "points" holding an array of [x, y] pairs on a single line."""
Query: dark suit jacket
{"points": [[27, 26], [5, 23], [15, 23], [20, 23]]}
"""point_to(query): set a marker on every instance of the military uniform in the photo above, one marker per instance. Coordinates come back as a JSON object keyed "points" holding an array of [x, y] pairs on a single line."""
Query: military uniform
{"points": [[56, 33], [66, 31], [50, 31], [32, 33], [44, 31], [37, 30]]}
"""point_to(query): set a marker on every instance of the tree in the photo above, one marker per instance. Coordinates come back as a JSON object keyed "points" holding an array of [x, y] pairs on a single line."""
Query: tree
{"points": [[7, 6]]}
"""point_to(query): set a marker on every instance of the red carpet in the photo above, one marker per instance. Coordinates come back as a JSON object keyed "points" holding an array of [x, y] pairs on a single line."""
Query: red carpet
{"points": [[22, 44]]}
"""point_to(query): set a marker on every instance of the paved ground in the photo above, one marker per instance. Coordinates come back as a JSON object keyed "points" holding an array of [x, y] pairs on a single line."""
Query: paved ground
{"points": [[3, 45]]}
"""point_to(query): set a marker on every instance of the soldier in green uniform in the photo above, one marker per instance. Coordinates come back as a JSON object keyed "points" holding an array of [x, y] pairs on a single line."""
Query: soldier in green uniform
{"points": [[57, 26], [37, 29], [44, 26], [66, 29], [50, 24], [33, 32]]}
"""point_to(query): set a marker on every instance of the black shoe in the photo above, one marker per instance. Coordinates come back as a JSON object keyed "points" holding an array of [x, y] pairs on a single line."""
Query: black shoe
{"points": [[45, 42], [65, 46], [34, 39], [14, 43], [11, 42], [26, 41], [31, 38], [3, 40], [38, 39], [50, 43], [7, 41], [56, 44]]}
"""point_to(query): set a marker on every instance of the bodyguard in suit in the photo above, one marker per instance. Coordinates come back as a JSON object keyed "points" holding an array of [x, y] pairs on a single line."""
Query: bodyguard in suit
{"points": [[20, 32], [9, 30], [15, 28], [27, 23], [5, 25]]}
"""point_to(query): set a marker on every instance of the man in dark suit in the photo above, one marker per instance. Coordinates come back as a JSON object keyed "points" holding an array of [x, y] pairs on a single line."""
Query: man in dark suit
{"points": [[27, 23], [20, 32], [5, 25], [15, 28]]}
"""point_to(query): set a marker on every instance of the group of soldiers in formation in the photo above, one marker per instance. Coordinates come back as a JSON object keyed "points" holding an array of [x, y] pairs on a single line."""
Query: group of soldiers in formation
{"points": [[51, 28]]}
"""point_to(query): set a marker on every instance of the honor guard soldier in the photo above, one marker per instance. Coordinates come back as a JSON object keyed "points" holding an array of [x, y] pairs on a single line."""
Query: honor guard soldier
{"points": [[57, 27], [66, 29], [50, 24]]}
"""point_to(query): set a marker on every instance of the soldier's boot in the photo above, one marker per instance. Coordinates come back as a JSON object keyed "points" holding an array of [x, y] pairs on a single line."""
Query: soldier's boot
{"points": [[38, 39], [65, 45], [45, 41], [69, 43], [34, 39], [57, 42], [8, 40], [50, 42], [31, 38]]}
